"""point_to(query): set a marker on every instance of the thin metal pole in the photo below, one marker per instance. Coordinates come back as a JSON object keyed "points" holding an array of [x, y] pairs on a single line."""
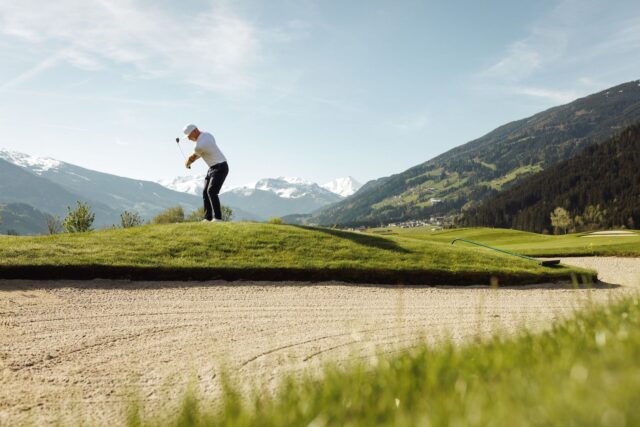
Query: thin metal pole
{"points": [[548, 263]]}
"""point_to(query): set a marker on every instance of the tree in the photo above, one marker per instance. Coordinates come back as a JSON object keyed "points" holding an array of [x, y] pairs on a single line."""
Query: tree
{"points": [[594, 217], [54, 226], [560, 219], [80, 219], [170, 216], [227, 213], [195, 216], [130, 219], [275, 220]]}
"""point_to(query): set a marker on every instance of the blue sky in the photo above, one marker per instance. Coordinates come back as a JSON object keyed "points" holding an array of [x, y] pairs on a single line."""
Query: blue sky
{"points": [[315, 89]]}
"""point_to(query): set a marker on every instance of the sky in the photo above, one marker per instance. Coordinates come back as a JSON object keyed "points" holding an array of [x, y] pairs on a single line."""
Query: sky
{"points": [[313, 89]]}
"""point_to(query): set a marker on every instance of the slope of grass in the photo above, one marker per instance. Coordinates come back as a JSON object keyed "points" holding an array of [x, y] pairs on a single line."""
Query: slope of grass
{"points": [[583, 371], [531, 243], [260, 251]]}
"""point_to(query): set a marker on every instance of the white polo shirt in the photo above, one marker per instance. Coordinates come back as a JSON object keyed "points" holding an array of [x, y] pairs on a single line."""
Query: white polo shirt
{"points": [[207, 148]]}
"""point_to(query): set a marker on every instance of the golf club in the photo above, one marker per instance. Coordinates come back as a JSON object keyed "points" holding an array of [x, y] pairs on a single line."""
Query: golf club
{"points": [[182, 152]]}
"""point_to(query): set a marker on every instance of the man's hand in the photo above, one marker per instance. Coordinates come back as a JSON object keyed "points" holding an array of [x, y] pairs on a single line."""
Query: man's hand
{"points": [[192, 158]]}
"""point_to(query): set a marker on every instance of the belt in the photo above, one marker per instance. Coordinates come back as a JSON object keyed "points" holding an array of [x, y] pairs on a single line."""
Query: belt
{"points": [[218, 164]]}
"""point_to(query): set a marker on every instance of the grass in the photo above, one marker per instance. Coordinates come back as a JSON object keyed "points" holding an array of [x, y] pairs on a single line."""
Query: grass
{"points": [[261, 252], [497, 184], [583, 371], [530, 243]]}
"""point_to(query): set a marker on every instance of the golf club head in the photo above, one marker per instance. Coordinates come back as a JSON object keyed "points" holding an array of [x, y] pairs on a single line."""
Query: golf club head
{"points": [[178, 140]]}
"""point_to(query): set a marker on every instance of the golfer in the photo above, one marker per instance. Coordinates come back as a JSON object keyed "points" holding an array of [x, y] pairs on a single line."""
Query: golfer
{"points": [[207, 149]]}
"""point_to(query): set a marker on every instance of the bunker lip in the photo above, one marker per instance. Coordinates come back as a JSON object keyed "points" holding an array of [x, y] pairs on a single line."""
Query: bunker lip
{"points": [[349, 275]]}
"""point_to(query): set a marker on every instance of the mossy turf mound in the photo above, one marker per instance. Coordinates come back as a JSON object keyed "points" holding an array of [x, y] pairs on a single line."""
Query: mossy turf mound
{"points": [[251, 251]]}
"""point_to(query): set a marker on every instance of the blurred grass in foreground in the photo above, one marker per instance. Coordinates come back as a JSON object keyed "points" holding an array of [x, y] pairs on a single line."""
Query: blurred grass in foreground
{"points": [[583, 371]]}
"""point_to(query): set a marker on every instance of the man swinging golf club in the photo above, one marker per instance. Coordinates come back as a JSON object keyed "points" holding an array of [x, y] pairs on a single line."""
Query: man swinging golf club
{"points": [[207, 149]]}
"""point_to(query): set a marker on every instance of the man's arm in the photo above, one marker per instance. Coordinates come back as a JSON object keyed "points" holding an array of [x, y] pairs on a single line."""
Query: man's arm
{"points": [[192, 158]]}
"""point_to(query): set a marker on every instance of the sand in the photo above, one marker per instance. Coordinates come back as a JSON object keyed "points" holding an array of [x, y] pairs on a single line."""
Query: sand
{"points": [[72, 351]]}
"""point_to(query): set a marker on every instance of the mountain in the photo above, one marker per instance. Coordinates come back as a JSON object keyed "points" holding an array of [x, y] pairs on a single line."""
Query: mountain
{"points": [[185, 184], [462, 177], [22, 219], [50, 185], [344, 187], [19, 185], [603, 176], [277, 197], [274, 197]]}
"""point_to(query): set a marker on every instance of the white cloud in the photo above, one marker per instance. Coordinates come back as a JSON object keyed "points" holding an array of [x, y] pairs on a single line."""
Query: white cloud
{"points": [[214, 49], [573, 37], [524, 57], [31, 72]]}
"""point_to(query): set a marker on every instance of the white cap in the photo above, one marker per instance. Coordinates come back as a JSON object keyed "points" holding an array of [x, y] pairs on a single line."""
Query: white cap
{"points": [[189, 128]]}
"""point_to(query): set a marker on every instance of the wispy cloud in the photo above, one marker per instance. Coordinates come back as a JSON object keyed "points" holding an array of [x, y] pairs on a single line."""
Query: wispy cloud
{"points": [[570, 37], [214, 49], [31, 72], [524, 57]]}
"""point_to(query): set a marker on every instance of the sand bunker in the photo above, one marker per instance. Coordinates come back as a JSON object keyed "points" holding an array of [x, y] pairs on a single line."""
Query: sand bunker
{"points": [[73, 351]]}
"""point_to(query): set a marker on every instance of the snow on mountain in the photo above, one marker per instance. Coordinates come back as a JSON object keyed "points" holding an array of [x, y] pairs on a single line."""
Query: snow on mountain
{"points": [[283, 186], [344, 187], [185, 184], [268, 197], [37, 165], [288, 187], [276, 197]]}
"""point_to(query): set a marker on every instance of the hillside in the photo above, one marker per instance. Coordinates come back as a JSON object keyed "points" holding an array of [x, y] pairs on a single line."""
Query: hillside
{"points": [[22, 219], [51, 185], [118, 193], [19, 185], [462, 177], [604, 175]]}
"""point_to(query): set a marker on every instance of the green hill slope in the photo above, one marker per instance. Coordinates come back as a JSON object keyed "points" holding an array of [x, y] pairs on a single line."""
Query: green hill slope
{"points": [[466, 175], [260, 252], [605, 175], [22, 219]]}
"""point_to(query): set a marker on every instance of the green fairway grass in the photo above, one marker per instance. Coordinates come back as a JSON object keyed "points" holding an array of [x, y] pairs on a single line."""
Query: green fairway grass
{"points": [[262, 252], [525, 243], [584, 371]]}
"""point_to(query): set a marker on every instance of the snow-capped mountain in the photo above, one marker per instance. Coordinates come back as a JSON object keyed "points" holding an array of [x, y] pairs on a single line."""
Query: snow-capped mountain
{"points": [[276, 197], [287, 187], [271, 197], [344, 187], [51, 185], [37, 165], [185, 184]]}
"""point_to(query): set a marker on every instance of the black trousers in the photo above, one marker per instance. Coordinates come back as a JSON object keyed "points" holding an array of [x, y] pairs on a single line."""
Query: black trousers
{"points": [[212, 185]]}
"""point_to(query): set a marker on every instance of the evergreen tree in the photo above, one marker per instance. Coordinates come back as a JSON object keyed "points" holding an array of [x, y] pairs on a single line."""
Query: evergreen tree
{"points": [[80, 219]]}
